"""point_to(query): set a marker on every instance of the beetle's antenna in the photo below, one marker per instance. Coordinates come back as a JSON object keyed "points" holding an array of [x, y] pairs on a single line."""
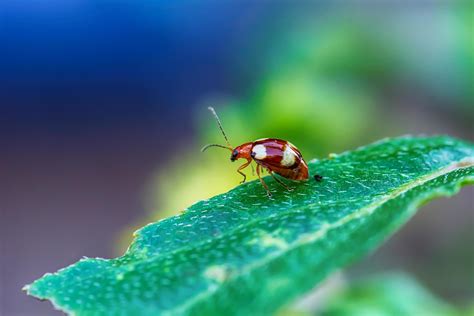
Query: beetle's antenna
{"points": [[220, 125], [215, 145]]}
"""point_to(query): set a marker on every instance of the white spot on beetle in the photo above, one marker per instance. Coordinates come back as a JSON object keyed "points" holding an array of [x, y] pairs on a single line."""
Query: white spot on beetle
{"points": [[259, 151], [289, 157]]}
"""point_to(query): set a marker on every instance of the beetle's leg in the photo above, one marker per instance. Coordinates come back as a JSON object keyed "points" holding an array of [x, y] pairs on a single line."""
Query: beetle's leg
{"points": [[263, 182], [279, 181], [253, 170], [245, 165]]}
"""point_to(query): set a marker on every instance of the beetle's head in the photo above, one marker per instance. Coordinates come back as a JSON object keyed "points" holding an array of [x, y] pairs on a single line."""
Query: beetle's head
{"points": [[234, 155], [241, 152]]}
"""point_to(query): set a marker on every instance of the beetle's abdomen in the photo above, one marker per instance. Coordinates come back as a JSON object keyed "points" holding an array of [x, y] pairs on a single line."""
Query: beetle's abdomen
{"points": [[280, 157]]}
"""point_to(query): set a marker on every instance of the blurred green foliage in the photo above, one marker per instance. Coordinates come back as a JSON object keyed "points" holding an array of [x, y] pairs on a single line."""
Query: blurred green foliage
{"points": [[395, 294]]}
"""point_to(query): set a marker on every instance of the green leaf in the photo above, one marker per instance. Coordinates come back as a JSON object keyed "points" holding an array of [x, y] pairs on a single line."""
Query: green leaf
{"points": [[242, 253], [394, 294]]}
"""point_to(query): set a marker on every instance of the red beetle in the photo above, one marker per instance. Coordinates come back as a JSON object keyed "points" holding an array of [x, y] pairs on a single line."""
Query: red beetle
{"points": [[276, 155]]}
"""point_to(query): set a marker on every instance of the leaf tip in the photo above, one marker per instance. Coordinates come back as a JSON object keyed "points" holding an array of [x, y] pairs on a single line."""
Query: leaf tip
{"points": [[26, 288]]}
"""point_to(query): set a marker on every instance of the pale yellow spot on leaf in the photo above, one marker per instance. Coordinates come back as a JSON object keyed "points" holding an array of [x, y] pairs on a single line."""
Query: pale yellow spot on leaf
{"points": [[216, 273]]}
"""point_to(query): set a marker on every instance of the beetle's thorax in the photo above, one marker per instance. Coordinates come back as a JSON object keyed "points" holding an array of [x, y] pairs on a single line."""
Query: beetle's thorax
{"points": [[242, 151]]}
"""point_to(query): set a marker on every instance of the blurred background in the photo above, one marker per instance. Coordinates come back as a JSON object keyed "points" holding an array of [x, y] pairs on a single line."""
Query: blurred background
{"points": [[103, 112]]}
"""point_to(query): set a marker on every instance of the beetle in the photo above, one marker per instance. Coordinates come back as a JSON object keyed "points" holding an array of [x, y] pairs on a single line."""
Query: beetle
{"points": [[277, 156]]}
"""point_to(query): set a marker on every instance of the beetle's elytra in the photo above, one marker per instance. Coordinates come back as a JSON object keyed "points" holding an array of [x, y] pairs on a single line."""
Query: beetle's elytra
{"points": [[275, 155]]}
